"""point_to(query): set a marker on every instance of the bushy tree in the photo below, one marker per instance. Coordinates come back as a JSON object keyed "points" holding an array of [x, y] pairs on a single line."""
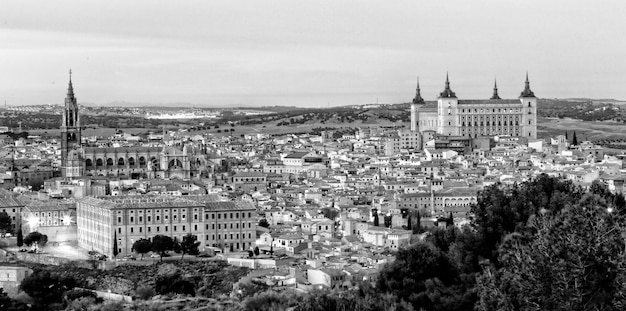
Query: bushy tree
{"points": [[263, 223], [500, 210], [174, 283], [142, 247], [161, 244], [571, 260], [5, 223], [36, 238], [46, 288], [425, 277], [189, 245]]}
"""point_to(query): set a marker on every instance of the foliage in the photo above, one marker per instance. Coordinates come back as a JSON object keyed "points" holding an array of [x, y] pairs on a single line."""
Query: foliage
{"points": [[9, 304], [20, 237], [45, 287], [425, 277], [5, 222], [376, 220], [174, 283], [263, 223], [330, 213], [145, 292], [36, 238], [189, 245], [161, 244], [270, 301], [142, 246], [501, 210], [571, 260], [115, 247]]}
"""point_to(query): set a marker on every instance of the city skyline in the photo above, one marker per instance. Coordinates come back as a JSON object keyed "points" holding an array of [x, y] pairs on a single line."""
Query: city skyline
{"points": [[307, 54]]}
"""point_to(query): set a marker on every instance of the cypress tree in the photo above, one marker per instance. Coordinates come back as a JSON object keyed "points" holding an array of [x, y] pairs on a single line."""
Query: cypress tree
{"points": [[115, 251], [409, 225], [376, 221], [574, 140], [20, 237]]}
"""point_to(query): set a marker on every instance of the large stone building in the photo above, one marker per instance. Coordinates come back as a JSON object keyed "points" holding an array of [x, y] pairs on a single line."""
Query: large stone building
{"points": [[183, 162], [227, 225], [450, 116]]}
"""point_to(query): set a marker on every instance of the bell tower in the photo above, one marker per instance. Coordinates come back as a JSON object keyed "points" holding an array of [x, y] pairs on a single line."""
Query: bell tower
{"points": [[70, 130]]}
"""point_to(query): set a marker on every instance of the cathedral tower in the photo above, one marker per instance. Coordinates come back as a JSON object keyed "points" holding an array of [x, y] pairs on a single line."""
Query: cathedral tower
{"points": [[70, 135]]}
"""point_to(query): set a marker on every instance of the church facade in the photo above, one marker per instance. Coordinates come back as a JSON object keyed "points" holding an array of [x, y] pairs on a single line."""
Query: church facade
{"points": [[450, 116], [77, 160]]}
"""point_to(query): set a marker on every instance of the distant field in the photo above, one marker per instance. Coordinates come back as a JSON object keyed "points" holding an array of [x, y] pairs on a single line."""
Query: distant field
{"points": [[585, 130], [101, 132]]}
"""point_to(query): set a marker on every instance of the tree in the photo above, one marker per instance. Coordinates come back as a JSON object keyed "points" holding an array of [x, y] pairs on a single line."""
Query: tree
{"points": [[450, 220], [5, 223], [142, 246], [409, 223], [574, 140], [20, 237], [115, 248], [376, 221], [387, 220], [161, 244], [47, 288], [36, 238], [263, 223], [330, 213], [571, 260], [425, 277], [256, 251], [189, 245]]}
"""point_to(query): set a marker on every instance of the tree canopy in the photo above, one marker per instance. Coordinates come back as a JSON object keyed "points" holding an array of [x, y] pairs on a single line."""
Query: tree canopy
{"points": [[189, 245], [142, 246]]}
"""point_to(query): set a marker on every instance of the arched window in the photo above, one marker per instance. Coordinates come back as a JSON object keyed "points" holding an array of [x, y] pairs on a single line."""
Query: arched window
{"points": [[142, 161], [131, 161], [88, 163], [99, 162], [109, 162], [120, 161]]}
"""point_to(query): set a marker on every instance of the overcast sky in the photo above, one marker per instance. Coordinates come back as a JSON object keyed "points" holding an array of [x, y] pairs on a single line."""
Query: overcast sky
{"points": [[307, 53]]}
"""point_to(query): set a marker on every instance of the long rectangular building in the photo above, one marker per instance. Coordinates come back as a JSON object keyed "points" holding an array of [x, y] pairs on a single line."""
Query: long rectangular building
{"points": [[229, 225]]}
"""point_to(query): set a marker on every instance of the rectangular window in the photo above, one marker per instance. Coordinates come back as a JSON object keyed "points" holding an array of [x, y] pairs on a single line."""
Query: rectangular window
{"points": [[140, 229], [131, 229], [184, 228], [132, 219], [158, 229], [119, 230], [149, 219], [212, 226], [174, 228], [149, 229], [166, 228], [195, 227], [119, 220], [158, 217]]}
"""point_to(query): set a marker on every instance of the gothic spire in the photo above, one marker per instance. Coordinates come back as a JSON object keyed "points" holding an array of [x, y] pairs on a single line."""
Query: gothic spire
{"points": [[447, 92], [527, 92], [495, 90], [418, 96], [70, 88]]}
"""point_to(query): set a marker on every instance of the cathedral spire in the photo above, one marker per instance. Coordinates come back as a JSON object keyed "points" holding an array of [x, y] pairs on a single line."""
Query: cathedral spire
{"points": [[447, 92], [70, 88], [418, 96], [527, 92], [495, 90]]}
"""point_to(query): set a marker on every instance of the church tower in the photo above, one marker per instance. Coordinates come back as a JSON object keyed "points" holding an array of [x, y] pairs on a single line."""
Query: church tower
{"points": [[447, 107], [70, 135], [417, 101], [529, 111]]}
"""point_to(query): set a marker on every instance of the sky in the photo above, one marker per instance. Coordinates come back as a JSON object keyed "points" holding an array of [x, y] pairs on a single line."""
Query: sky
{"points": [[307, 53]]}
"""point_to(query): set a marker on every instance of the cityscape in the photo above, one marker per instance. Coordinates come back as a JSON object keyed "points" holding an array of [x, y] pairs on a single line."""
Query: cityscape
{"points": [[444, 189]]}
